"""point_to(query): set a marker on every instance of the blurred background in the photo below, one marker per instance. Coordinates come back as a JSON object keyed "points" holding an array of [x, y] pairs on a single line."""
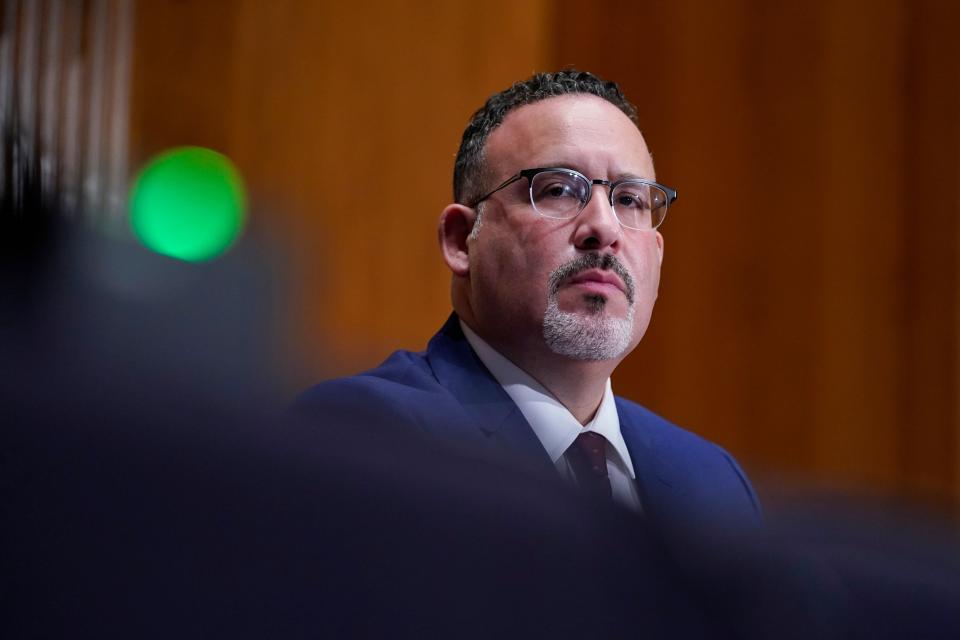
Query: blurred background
{"points": [[808, 313]]}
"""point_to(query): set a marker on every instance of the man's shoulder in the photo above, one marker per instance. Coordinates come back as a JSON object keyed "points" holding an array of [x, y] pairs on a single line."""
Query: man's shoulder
{"points": [[660, 432], [703, 470], [410, 393], [402, 377]]}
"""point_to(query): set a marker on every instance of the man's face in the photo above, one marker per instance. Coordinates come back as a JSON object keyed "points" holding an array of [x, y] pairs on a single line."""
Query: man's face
{"points": [[583, 287]]}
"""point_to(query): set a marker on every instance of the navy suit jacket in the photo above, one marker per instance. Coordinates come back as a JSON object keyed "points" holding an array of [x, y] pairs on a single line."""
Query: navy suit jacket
{"points": [[447, 395]]}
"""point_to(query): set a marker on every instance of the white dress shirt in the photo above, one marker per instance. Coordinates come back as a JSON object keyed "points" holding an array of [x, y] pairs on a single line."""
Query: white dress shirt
{"points": [[555, 426]]}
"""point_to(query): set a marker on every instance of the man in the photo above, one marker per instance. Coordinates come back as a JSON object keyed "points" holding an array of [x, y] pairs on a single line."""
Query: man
{"points": [[555, 257]]}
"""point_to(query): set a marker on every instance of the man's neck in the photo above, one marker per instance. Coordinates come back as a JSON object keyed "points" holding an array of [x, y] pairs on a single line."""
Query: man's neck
{"points": [[579, 385]]}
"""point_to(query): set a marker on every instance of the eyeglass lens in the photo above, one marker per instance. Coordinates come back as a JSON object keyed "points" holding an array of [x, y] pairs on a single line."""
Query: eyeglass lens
{"points": [[562, 194]]}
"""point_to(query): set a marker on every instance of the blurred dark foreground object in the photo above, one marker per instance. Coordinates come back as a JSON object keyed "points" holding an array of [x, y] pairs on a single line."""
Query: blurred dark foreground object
{"points": [[149, 488], [897, 562]]}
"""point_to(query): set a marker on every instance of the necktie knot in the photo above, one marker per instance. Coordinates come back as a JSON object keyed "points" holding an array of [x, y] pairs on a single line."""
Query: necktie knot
{"points": [[588, 458]]}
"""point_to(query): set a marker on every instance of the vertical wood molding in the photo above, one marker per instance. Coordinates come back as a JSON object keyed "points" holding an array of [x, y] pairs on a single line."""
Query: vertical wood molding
{"points": [[64, 73]]}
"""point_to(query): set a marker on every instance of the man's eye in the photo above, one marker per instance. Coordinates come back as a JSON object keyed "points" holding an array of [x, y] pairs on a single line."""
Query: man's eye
{"points": [[557, 190], [631, 201]]}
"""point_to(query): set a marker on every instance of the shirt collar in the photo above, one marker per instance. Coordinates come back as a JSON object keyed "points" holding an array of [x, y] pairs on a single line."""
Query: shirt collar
{"points": [[553, 424]]}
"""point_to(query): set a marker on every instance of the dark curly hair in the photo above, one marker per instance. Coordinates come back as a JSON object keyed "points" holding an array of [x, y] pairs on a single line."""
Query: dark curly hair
{"points": [[469, 172]]}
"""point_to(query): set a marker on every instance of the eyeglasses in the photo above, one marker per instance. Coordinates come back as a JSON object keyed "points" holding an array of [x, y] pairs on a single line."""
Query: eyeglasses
{"points": [[563, 193]]}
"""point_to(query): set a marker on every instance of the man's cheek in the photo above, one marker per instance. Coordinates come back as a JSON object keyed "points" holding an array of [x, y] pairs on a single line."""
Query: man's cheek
{"points": [[646, 270]]}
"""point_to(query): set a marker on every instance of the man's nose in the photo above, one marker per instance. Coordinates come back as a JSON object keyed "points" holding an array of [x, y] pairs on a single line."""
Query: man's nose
{"points": [[597, 224]]}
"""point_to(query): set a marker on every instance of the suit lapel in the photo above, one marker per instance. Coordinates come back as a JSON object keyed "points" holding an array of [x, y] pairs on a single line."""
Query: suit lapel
{"points": [[462, 373], [657, 485]]}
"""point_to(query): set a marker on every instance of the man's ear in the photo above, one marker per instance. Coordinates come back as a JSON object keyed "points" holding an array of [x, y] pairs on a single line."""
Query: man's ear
{"points": [[456, 223], [660, 246]]}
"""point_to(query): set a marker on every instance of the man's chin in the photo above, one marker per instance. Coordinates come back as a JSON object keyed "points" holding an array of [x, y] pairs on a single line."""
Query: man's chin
{"points": [[590, 332], [593, 305]]}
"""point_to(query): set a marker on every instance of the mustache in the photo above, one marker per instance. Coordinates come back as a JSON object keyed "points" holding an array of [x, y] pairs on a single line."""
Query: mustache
{"points": [[593, 260]]}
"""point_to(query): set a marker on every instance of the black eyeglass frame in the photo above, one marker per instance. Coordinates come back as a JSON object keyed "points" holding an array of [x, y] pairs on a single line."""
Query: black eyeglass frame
{"points": [[530, 174]]}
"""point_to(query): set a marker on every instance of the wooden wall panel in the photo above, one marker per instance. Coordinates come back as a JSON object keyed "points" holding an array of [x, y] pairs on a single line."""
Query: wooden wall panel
{"points": [[182, 89], [805, 318], [930, 432], [344, 118], [361, 106]]}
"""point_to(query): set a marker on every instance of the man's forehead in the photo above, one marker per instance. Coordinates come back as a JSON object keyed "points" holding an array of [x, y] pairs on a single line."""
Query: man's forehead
{"points": [[561, 130]]}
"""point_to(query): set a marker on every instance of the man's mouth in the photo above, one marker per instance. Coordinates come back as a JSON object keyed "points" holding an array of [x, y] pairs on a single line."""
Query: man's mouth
{"points": [[599, 275], [599, 282]]}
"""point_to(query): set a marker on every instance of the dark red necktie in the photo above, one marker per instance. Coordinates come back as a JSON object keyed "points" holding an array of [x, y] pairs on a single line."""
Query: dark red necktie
{"points": [[588, 457]]}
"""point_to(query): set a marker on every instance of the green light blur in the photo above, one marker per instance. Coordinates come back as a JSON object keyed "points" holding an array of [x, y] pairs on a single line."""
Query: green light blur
{"points": [[188, 203]]}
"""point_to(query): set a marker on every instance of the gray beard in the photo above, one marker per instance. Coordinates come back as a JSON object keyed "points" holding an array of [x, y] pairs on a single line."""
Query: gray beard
{"points": [[593, 334]]}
